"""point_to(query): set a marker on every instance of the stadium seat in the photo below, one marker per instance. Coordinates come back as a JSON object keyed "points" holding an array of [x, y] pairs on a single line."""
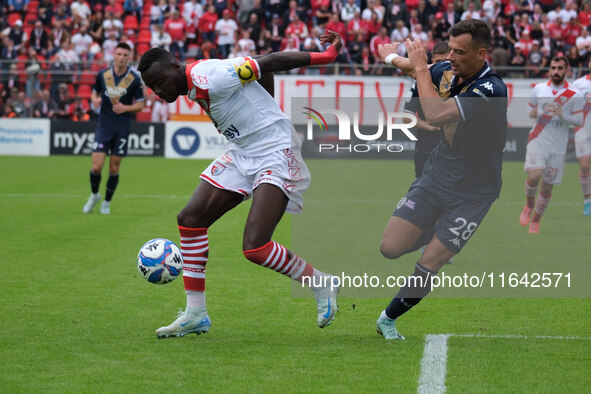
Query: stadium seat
{"points": [[144, 37], [84, 91], [87, 78], [142, 47], [12, 18], [145, 23], [130, 24]]}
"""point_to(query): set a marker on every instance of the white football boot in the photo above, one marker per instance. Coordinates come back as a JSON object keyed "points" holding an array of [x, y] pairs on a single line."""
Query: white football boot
{"points": [[92, 201]]}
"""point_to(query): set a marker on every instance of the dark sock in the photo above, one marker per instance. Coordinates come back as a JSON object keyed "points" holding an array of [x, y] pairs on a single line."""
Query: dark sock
{"points": [[412, 293], [95, 181], [111, 186]]}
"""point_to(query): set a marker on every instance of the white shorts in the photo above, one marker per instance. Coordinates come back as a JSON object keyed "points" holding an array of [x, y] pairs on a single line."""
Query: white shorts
{"points": [[242, 174], [583, 142], [552, 164]]}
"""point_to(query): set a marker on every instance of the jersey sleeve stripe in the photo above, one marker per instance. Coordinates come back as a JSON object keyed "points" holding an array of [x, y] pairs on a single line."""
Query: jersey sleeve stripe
{"points": [[459, 104]]}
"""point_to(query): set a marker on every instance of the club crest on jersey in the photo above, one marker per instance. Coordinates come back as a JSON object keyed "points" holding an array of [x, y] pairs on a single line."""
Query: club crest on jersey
{"points": [[550, 108], [401, 203], [217, 168]]}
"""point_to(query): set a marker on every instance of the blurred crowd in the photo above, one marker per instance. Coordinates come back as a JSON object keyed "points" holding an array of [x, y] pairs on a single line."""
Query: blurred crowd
{"points": [[51, 49]]}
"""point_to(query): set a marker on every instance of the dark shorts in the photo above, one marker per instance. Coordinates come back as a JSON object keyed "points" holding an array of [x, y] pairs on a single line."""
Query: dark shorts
{"points": [[114, 143], [455, 218]]}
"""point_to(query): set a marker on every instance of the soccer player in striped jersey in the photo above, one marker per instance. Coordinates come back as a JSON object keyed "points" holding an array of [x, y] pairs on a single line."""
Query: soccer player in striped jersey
{"points": [[555, 105], [583, 142], [263, 162]]}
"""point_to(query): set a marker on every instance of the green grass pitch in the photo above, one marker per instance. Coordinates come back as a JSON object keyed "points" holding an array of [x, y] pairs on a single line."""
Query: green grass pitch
{"points": [[77, 317]]}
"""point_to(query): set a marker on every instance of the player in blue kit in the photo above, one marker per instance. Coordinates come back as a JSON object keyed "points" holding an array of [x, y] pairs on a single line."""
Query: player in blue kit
{"points": [[119, 92], [462, 176]]}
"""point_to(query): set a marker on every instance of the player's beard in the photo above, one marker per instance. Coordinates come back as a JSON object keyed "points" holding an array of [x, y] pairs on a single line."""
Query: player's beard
{"points": [[557, 79]]}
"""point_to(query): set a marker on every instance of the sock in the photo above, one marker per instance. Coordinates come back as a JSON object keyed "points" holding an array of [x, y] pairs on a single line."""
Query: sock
{"points": [[276, 257], [195, 251], [195, 299], [530, 194], [111, 186], [95, 181], [541, 206], [585, 182], [412, 293]]}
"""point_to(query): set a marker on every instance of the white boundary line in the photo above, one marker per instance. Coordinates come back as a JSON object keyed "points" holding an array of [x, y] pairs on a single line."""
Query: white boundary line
{"points": [[434, 361], [311, 200]]}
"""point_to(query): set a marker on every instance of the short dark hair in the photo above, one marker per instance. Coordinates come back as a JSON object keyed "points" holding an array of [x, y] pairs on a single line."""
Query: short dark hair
{"points": [[560, 59], [441, 48], [154, 55], [478, 30], [123, 45]]}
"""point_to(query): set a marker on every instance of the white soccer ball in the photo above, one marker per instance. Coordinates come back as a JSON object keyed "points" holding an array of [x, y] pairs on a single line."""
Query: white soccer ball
{"points": [[160, 261]]}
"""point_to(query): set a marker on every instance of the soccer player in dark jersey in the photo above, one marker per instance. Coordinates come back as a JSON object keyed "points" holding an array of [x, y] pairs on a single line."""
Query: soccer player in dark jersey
{"points": [[462, 176], [428, 135], [119, 92]]}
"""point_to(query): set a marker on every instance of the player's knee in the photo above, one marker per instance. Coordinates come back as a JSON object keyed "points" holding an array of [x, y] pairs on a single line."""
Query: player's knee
{"points": [[390, 251], [186, 218]]}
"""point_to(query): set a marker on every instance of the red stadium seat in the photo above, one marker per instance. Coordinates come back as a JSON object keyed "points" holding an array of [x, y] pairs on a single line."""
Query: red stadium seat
{"points": [[130, 24], [87, 78], [84, 91], [142, 47], [12, 18], [144, 37]]}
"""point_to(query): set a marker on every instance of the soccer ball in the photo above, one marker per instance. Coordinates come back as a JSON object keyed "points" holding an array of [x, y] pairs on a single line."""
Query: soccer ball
{"points": [[160, 261]]}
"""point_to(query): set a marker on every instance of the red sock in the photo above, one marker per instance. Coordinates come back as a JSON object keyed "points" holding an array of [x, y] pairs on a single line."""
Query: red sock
{"points": [[530, 194], [276, 257], [541, 206], [195, 249]]}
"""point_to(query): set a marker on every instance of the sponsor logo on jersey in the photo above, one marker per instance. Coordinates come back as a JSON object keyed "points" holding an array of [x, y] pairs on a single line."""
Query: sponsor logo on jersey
{"points": [[488, 86], [455, 241], [226, 159], [410, 204], [550, 108], [116, 92]]}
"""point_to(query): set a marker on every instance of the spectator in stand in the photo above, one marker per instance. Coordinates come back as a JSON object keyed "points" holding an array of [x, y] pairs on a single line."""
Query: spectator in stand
{"points": [[192, 11], [585, 15], [348, 11], [109, 46], [441, 29], [45, 12], [133, 7], [254, 27], [206, 25], [157, 12], [115, 8], [322, 14], [290, 14], [244, 8], [379, 39], [39, 39], [525, 42], [355, 26], [451, 15], [225, 30], [96, 27], [17, 102], [8, 52], [573, 31], [334, 24], [583, 44], [569, 12], [396, 11], [355, 48], [400, 34], [297, 28], [160, 38], [471, 12], [275, 33], [373, 25], [537, 14], [9, 111], [68, 57], [171, 7], [220, 6], [245, 45], [518, 61], [17, 35], [574, 61], [264, 18], [82, 42], [557, 33], [367, 63], [44, 106], [421, 12], [419, 34], [160, 111], [80, 10], [64, 103], [501, 53], [371, 9], [536, 62], [536, 32], [112, 25], [176, 27], [61, 14], [32, 68]]}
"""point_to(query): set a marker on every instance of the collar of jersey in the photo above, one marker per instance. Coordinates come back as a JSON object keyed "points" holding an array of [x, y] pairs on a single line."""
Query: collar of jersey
{"points": [[565, 86], [481, 73], [190, 85]]}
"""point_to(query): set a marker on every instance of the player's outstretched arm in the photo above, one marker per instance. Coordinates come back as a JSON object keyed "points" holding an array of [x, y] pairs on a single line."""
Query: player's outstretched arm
{"points": [[285, 61]]}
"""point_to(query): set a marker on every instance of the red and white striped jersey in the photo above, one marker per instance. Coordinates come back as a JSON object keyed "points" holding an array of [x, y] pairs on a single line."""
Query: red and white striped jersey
{"points": [[583, 85], [550, 132], [241, 111]]}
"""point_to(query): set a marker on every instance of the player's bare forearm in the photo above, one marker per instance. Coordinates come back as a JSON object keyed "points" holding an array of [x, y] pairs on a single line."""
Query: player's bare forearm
{"points": [[136, 107], [285, 61], [437, 112], [268, 83]]}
